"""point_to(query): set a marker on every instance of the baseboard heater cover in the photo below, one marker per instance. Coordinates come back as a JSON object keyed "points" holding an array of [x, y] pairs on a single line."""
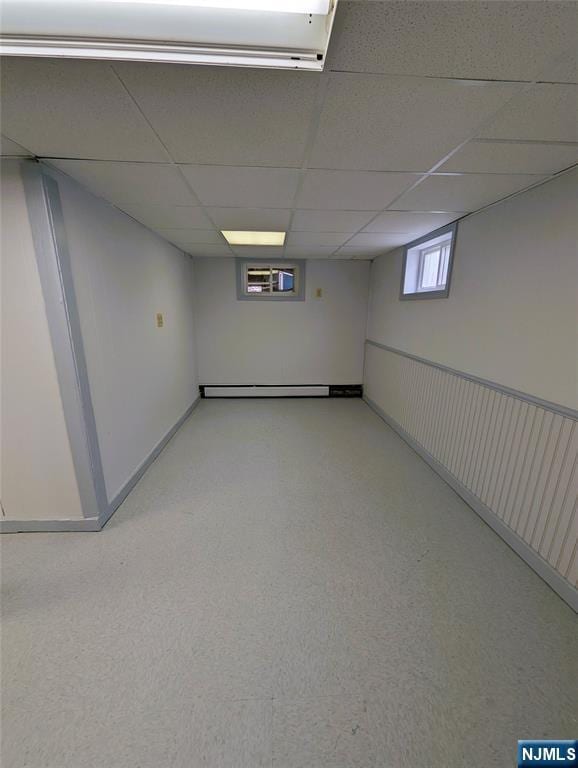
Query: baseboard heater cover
{"points": [[268, 390], [264, 391]]}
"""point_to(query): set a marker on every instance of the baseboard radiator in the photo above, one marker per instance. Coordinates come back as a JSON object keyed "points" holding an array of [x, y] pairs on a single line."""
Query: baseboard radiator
{"points": [[512, 457], [265, 390]]}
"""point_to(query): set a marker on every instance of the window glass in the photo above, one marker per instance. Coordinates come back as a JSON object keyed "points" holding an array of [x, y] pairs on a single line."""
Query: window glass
{"points": [[283, 280], [427, 265], [258, 280], [430, 268], [271, 280]]}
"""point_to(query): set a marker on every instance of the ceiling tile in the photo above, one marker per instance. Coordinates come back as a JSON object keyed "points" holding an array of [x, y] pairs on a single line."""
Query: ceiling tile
{"points": [[508, 157], [379, 240], [416, 223], [142, 183], [192, 236], [9, 148], [218, 251], [233, 186], [330, 221], [362, 251], [228, 115], [258, 252], [353, 254], [256, 219], [164, 217], [468, 192], [309, 252], [565, 70], [371, 122], [543, 113], [73, 108], [352, 190], [332, 239], [487, 40]]}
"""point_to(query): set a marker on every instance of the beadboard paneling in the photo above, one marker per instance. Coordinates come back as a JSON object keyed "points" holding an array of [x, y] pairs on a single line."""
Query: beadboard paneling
{"points": [[514, 454]]}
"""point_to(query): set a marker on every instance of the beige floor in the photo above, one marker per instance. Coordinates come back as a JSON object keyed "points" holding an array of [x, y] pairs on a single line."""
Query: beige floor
{"points": [[288, 586]]}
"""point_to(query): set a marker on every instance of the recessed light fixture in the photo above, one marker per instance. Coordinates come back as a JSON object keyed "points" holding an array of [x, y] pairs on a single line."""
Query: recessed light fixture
{"points": [[246, 237], [276, 34]]}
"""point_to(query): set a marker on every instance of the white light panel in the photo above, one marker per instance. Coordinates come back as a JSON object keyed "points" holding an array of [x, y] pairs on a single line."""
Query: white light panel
{"points": [[245, 237], [277, 34], [318, 7]]}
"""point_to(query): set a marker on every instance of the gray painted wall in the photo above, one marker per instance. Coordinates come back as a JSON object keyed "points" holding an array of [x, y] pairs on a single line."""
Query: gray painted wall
{"points": [[512, 312], [316, 341], [511, 318], [142, 377]]}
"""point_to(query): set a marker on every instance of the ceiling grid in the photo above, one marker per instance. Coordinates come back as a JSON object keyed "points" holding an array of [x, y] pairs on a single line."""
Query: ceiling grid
{"points": [[396, 137]]}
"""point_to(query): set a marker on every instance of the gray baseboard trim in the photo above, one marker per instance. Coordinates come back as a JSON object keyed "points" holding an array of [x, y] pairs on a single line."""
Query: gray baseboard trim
{"points": [[50, 526], [94, 523], [544, 570], [156, 451]]}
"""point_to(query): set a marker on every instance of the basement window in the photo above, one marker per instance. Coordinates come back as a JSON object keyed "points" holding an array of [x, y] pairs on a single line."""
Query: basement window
{"points": [[427, 265], [276, 281]]}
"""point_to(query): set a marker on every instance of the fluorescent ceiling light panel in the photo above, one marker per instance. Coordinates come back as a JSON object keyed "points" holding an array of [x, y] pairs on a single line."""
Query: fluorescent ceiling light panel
{"points": [[274, 34], [245, 237], [318, 7]]}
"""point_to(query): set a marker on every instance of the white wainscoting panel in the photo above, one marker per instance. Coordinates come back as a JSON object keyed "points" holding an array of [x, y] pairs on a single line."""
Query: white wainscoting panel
{"points": [[513, 454]]}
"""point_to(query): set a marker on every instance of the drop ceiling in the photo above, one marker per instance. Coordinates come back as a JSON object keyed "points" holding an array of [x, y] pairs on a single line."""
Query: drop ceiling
{"points": [[426, 111]]}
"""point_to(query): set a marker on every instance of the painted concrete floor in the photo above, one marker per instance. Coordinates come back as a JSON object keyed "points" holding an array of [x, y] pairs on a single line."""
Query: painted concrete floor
{"points": [[289, 586]]}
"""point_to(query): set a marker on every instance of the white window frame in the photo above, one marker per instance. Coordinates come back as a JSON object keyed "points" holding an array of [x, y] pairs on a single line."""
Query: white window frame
{"points": [[423, 254], [243, 267], [414, 258]]}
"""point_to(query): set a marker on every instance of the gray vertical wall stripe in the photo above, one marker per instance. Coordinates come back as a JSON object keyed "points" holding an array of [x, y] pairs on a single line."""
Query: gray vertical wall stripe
{"points": [[63, 256], [509, 454], [61, 318]]}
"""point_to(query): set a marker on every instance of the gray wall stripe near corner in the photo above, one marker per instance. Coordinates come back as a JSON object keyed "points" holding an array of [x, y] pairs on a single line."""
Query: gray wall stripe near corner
{"points": [[62, 319], [63, 256], [543, 569], [563, 410]]}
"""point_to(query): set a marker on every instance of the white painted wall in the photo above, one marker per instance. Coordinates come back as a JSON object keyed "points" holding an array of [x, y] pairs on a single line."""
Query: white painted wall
{"points": [[142, 378], [37, 474], [316, 341], [512, 313]]}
